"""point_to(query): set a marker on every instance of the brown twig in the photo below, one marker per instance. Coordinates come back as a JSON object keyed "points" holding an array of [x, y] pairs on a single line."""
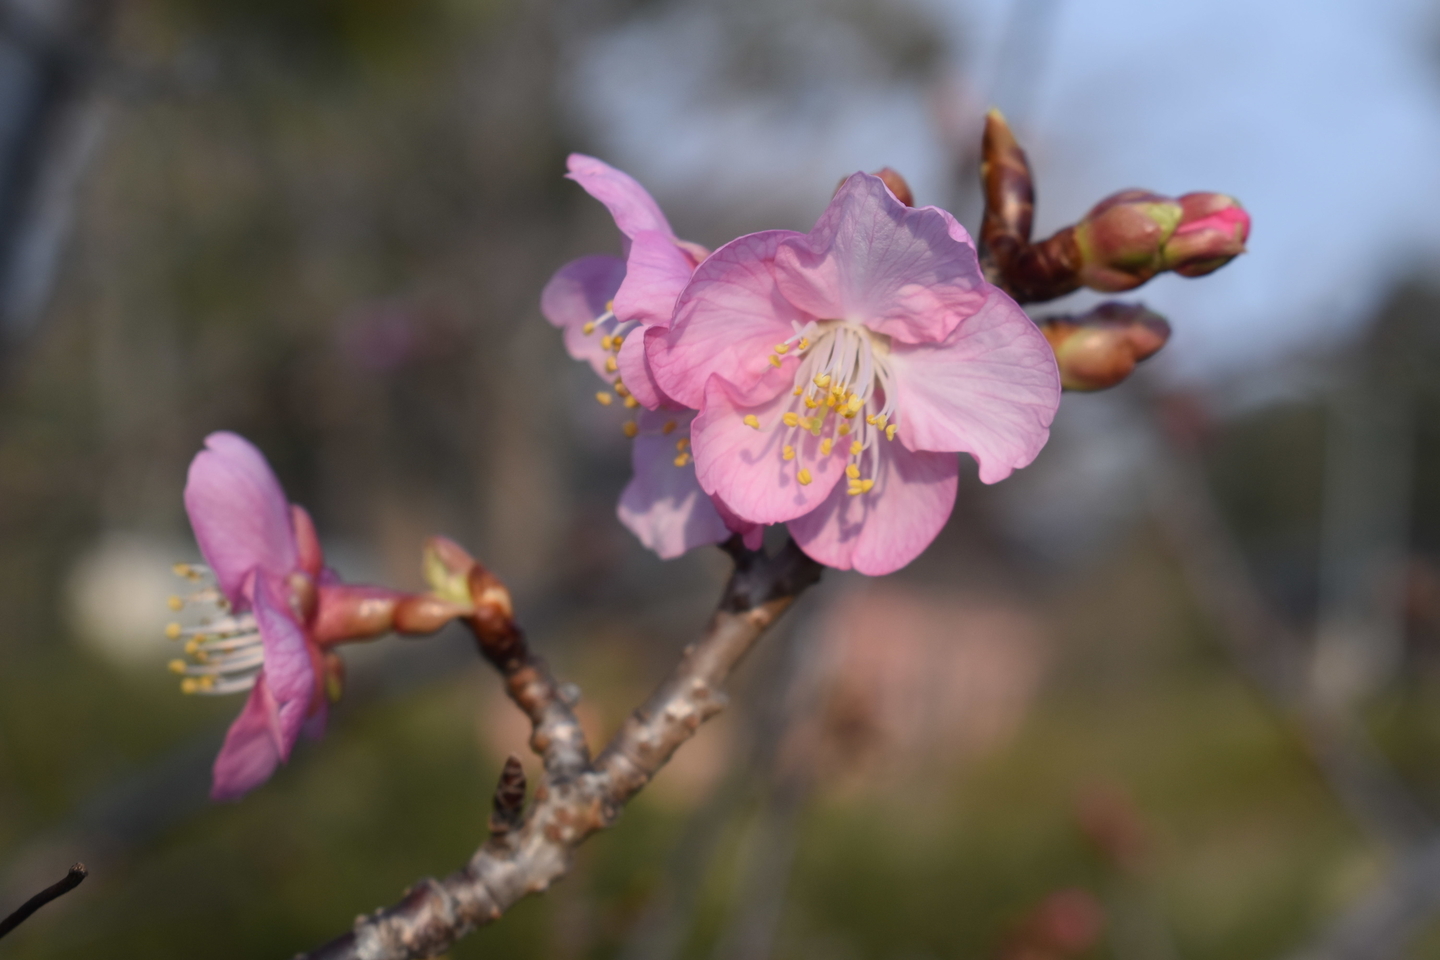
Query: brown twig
{"points": [[71, 880], [576, 796]]}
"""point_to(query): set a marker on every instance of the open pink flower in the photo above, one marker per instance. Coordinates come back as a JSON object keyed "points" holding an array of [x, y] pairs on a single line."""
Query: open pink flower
{"points": [[870, 349], [270, 612], [604, 304]]}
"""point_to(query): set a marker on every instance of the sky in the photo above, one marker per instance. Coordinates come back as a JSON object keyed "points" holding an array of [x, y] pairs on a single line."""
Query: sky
{"points": [[1323, 118]]}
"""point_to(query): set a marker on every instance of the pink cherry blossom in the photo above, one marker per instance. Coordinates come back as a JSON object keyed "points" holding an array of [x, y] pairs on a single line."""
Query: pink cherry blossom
{"points": [[269, 617], [870, 350], [604, 305]]}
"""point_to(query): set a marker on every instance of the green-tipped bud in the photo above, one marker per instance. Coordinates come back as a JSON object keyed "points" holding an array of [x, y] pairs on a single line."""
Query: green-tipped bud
{"points": [[1121, 239], [1099, 349], [1212, 232]]}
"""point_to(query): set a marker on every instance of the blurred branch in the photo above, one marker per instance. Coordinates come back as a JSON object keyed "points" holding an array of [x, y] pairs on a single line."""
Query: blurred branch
{"points": [[71, 880], [1272, 655], [576, 796]]}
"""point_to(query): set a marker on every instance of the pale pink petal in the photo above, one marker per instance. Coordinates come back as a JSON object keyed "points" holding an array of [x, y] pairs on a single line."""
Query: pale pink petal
{"points": [[882, 530], [655, 272], [289, 670], [663, 504], [252, 747], [634, 368], [629, 203], [727, 321], [902, 271], [751, 534], [239, 514], [745, 467], [577, 294], [990, 390]]}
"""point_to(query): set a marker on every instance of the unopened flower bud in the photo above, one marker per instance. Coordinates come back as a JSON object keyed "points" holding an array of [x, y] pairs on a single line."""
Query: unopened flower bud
{"points": [[1099, 349], [1212, 232], [1121, 238], [897, 185]]}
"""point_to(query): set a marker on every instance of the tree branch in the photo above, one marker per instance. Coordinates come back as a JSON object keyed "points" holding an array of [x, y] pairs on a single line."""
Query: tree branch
{"points": [[54, 891], [575, 797]]}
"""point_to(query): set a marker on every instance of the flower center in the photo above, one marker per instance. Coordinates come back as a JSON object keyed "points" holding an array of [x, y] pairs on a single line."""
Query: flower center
{"points": [[612, 332], [224, 649], [842, 396]]}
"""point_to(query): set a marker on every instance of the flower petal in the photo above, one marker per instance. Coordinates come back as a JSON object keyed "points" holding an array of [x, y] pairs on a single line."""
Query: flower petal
{"points": [[633, 366], [655, 272], [576, 295], [990, 389], [239, 514], [909, 273], [663, 504], [881, 531], [252, 747], [629, 203], [289, 670], [745, 467], [727, 321]]}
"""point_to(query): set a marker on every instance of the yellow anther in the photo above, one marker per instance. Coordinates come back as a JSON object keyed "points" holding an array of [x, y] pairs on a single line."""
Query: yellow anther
{"points": [[616, 342], [606, 341], [752, 421], [797, 391], [682, 460], [826, 446], [774, 360], [631, 403], [890, 431], [816, 425], [192, 645], [854, 406], [804, 344], [853, 472], [589, 328], [811, 402], [870, 419], [176, 666], [631, 428], [855, 446], [669, 427], [782, 348], [804, 476], [621, 389], [880, 422], [682, 444], [791, 419], [609, 306], [175, 603], [823, 380], [843, 429], [173, 631], [189, 685], [610, 365], [787, 452], [605, 398]]}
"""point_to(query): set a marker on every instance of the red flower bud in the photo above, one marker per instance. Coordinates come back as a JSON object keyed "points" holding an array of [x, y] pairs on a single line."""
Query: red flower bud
{"points": [[1212, 232], [1099, 349], [1121, 238], [897, 185]]}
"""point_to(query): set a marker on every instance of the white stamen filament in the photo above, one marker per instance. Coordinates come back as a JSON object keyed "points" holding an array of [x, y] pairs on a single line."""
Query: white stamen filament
{"points": [[225, 648], [842, 371]]}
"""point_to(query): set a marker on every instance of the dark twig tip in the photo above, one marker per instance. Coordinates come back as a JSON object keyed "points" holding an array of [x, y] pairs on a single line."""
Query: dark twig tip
{"points": [[72, 879]]}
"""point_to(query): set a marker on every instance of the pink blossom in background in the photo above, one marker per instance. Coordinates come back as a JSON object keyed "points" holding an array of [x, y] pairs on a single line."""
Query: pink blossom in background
{"points": [[279, 609], [604, 304], [870, 349]]}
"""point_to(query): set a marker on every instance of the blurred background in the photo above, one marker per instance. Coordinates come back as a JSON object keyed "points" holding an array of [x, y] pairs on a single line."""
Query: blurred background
{"points": [[1172, 693]]}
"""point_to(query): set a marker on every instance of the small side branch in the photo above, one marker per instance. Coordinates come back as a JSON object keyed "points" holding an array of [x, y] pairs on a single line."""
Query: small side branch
{"points": [[56, 890], [529, 850]]}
